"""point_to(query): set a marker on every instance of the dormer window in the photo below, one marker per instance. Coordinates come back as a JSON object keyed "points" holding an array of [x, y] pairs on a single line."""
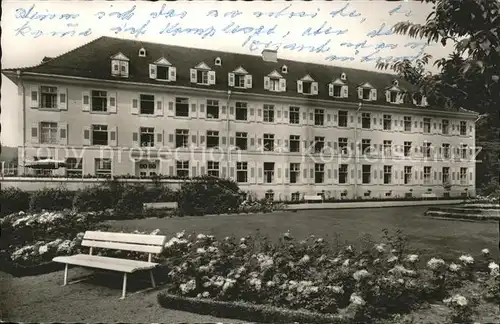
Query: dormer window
{"points": [[395, 83], [202, 74], [218, 61], [142, 52], [343, 77], [240, 78], [284, 69], [367, 92], [419, 99], [338, 89], [307, 86], [394, 94], [119, 65], [162, 70], [275, 82]]}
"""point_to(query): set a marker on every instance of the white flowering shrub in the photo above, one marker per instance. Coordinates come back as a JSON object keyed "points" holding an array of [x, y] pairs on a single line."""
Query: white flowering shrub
{"points": [[463, 309]]}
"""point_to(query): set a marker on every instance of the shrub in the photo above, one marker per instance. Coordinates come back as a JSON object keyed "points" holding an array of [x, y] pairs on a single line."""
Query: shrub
{"points": [[131, 201], [208, 195], [51, 199], [93, 199], [13, 200]]}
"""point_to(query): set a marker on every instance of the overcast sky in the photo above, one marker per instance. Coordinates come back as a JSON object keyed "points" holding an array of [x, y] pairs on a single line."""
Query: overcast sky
{"points": [[348, 33]]}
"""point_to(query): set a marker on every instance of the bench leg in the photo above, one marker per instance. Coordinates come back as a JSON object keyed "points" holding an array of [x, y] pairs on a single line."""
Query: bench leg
{"points": [[152, 278], [65, 275], [124, 288]]}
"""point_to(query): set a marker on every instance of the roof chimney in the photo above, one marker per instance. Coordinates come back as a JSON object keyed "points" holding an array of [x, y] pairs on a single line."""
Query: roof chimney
{"points": [[46, 58], [269, 55]]}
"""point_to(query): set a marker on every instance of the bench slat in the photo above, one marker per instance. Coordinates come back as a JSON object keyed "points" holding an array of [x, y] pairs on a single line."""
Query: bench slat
{"points": [[123, 246], [106, 263], [126, 238]]}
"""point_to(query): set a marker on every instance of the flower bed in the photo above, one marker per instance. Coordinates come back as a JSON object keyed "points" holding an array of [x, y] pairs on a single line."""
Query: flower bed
{"points": [[375, 282], [30, 241]]}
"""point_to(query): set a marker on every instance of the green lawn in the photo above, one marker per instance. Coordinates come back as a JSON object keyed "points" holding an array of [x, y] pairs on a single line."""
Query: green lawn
{"points": [[434, 237]]}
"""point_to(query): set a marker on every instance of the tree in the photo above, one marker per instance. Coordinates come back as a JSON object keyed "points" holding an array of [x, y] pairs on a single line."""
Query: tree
{"points": [[469, 77]]}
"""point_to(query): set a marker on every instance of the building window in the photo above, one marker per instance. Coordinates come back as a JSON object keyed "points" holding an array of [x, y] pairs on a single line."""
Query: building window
{"points": [[241, 172], [319, 172], [294, 143], [274, 84], [294, 115], [366, 120], [48, 133], [181, 137], [446, 151], [268, 142], [48, 97], [319, 144], [393, 96], [427, 150], [427, 174], [213, 168], [162, 72], [367, 173], [388, 148], [343, 145], [74, 167], [408, 174], [99, 135], [319, 117], [366, 94], [342, 118], [268, 172], [147, 136], [202, 77], [446, 175], [212, 139], [295, 196], [147, 104], [463, 128], [387, 174], [306, 87], [239, 80], [103, 167], [407, 126], [407, 148], [387, 122], [147, 168], [365, 146], [463, 176], [343, 168], [99, 101], [213, 109], [181, 107], [241, 111], [241, 140], [427, 125], [294, 172], [269, 113], [446, 126], [269, 195], [182, 169], [464, 151], [337, 91]]}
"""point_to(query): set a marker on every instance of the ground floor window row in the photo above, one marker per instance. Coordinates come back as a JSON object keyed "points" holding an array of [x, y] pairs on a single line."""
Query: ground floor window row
{"points": [[271, 172]]}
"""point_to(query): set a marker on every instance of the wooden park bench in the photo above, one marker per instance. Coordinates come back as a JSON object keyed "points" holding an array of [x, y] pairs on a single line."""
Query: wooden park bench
{"points": [[429, 195], [151, 244], [313, 198]]}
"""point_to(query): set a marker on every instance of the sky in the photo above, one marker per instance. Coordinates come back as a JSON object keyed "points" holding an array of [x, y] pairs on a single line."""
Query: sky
{"points": [[342, 33]]}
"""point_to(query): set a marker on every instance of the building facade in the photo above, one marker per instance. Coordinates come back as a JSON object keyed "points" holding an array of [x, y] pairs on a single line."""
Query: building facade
{"points": [[281, 129]]}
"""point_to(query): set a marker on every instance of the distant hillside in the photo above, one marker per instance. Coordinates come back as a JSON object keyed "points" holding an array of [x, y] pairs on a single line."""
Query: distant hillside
{"points": [[8, 153]]}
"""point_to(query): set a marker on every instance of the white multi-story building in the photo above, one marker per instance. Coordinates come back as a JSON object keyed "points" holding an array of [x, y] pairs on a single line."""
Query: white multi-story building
{"points": [[277, 127]]}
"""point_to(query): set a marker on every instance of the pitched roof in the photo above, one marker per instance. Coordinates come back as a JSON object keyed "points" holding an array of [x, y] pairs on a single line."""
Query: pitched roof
{"points": [[92, 60]]}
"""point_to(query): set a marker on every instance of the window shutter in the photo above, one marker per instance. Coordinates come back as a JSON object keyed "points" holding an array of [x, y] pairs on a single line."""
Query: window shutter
{"points": [[304, 172], [135, 106], [202, 139], [360, 93], [173, 73], [193, 76], [231, 172], [314, 89], [335, 173], [63, 133], [159, 106], [330, 90], [193, 171], [125, 65], [373, 94], [135, 138], [63, 98], [311, 173], [34, 133], [171, 170], [231, 111], [282, 85], [86, 135], [345, 91], [85, 101], [202, 108], [329, 172], [267, 82], [171, 138], [299, 86], [159, 139], [193, 108], [252, 141], [231, 140], [194, 139], [230, 77], [113, 136], [112, 102], [202, 170], [248, 81], [152, 71], [223, 140], [211, 77], [388, 96], [223, 173], [35, 97]]}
